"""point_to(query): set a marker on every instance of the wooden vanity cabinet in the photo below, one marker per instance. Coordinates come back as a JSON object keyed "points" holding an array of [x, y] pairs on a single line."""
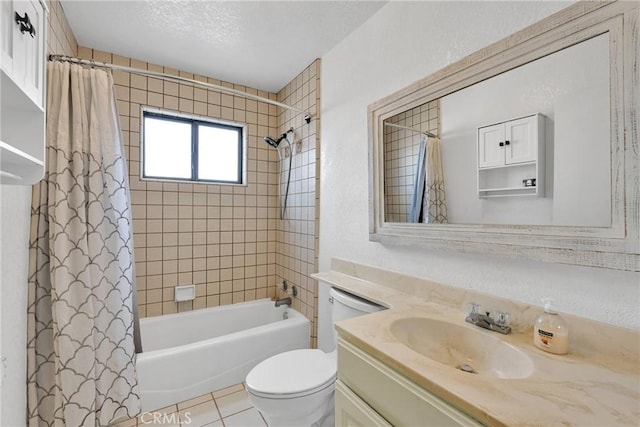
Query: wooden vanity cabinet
{"points": [[369, 393]]}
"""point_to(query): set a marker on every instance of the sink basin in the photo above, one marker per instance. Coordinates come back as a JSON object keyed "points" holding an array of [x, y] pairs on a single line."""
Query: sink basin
{"points": [[457, 346]]}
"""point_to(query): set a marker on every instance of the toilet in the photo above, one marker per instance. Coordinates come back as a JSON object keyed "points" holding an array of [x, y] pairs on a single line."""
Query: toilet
{"points": [[296, 388]]}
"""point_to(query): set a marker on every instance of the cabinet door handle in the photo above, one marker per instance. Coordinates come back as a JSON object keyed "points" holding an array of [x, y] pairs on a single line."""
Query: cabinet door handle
{"points": [[25, 24], [507, 143], [501, 144]]}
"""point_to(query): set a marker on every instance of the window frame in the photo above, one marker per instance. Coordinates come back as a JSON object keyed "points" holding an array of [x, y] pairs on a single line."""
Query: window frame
{"points": [[195, 121]]}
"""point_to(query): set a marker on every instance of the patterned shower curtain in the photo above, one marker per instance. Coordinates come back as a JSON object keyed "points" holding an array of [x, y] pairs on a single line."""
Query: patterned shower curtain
{"points": [[80, 350], [434, 202]]}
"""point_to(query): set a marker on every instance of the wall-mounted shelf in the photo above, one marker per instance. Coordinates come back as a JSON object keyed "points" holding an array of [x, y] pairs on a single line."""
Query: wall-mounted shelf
{"points": [[507, 192], [22, 115], [510, 153], [18, 167]]}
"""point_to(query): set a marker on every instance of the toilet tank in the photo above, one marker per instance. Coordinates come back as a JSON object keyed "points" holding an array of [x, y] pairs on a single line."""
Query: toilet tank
{"points": [[346, 305]]}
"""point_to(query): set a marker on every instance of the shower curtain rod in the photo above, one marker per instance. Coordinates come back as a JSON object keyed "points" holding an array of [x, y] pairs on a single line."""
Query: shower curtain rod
{"points": [[393, 125], [178, 79]]}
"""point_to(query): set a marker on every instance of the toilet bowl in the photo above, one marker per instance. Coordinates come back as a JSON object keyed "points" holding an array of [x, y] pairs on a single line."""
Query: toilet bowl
{"points": [[296, 388]]}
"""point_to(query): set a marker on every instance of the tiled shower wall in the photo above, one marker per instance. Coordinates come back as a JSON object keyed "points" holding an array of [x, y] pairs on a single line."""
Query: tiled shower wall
{"points": [[60, 37], [297, 254], [401, 149], [227, 240], [221, 238]]}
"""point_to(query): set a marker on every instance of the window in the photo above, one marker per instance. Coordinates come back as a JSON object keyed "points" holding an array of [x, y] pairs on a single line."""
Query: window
{"points": [[182, 148]]}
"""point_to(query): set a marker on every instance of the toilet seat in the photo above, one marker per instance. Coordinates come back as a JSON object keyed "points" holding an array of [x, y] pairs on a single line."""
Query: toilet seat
{"points": [[292, 374]]}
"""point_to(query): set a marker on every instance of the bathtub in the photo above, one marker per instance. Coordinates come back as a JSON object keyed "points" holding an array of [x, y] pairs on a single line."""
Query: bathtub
{"points": [[189, 354]]}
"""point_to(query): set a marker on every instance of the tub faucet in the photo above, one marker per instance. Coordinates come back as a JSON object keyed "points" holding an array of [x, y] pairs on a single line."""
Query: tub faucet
{"points": [[498, 322], [283, 301]]}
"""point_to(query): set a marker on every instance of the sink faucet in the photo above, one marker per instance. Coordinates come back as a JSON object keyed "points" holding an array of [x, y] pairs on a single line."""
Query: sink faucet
{"points": [[498, 321], [282, 301]]}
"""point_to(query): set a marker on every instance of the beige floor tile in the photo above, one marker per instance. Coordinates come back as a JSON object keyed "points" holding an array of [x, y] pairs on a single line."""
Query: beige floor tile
{"points": [[168, 409], [195, 401], [213, 424], [228, 390], [248, 418], [199, 415], [128, 423], [233, 403]]}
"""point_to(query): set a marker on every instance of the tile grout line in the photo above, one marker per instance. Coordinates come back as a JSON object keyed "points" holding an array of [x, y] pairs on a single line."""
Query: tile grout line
{"points": [[215, 402]]}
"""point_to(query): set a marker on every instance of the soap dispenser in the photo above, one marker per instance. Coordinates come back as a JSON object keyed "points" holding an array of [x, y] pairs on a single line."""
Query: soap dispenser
{"points": [[550, 331]]}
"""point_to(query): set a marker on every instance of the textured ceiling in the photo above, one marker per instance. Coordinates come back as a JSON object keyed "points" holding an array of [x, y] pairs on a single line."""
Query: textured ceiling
{"points": [[261, 44]]}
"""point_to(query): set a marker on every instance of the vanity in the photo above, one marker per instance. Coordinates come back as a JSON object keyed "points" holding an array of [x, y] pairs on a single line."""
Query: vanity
{"points": [[369, 393], [402, 366]]}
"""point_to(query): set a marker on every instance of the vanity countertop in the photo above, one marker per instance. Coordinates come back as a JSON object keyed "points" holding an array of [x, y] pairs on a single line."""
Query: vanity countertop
{"points": [[584, 387]]}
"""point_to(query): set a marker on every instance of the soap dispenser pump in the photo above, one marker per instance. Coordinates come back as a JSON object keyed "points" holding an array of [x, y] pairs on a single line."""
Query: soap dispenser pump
{"points": [[550, 331]]}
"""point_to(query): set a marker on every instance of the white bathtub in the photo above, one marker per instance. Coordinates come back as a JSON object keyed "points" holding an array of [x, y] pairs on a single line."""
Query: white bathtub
{"points": [[189, 354]]}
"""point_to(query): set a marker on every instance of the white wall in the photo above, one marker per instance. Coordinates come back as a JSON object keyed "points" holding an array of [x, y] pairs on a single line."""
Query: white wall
{"points": [[15, 205], [402, 43]]}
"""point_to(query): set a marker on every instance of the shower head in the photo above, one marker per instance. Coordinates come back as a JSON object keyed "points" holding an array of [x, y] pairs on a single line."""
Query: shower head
{"points": [[274, 142]]}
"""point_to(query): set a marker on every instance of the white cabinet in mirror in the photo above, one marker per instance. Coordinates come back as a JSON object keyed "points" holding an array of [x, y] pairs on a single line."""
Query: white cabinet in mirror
{"points": [[511, 158], [561, 97]]}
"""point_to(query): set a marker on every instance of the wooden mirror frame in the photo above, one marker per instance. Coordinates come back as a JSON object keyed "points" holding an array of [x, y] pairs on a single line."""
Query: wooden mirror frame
{"points": [[615, 247]]}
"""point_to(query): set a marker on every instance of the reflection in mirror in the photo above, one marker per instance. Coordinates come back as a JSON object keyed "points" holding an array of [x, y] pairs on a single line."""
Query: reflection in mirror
{"points": [[530, 146], [413, 178]]}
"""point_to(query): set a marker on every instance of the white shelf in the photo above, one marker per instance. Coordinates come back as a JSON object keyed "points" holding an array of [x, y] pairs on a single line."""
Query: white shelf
{"points": [[21, 136], [509, 189], [510, 165], [18, 167], [484, 193]]}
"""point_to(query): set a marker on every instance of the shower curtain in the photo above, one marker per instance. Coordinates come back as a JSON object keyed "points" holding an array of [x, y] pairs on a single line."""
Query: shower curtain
{"points": [[434, 202], [418, 183], [80, 350]]}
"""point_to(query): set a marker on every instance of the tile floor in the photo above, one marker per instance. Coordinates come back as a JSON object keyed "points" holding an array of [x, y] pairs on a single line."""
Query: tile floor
{"points": [[229, 407]]}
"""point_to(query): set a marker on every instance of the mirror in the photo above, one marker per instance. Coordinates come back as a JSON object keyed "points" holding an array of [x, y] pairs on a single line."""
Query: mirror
{"points": [[569, 89], [518, 149]]}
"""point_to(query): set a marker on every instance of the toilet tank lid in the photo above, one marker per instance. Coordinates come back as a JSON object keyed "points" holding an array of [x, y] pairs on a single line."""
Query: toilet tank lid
{"points": [[355, 301], [292, 372]]}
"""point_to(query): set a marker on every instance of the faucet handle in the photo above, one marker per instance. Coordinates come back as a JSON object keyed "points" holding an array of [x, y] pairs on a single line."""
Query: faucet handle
{"points": [[500, 318], [472, 308]]}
